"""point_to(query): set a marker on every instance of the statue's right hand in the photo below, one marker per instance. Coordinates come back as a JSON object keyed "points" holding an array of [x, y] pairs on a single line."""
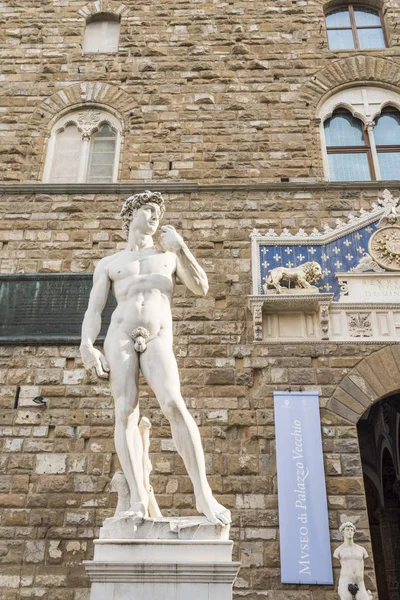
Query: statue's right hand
{"points": [[94, 359]]}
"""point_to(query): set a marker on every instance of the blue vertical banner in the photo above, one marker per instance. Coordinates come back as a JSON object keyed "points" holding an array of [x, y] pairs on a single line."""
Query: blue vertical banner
{"points": [[303, 510]]}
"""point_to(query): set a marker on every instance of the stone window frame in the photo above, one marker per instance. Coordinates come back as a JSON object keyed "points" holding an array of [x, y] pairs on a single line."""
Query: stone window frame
{"points": [[376, 6], [371, 103], [104, 18], [88, 120], [114, 9]]}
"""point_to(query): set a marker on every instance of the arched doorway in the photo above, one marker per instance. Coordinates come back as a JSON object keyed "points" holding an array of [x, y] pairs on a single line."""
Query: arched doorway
{"points": [[378, 434], [368, 398]]}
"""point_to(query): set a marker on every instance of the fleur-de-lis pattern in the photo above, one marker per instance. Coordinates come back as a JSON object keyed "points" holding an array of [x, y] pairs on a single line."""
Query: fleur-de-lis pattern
{"points": [[340, 255]]}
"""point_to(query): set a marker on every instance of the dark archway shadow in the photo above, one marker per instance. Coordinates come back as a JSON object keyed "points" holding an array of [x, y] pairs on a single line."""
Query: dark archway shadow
{"points": [[378, 433]]}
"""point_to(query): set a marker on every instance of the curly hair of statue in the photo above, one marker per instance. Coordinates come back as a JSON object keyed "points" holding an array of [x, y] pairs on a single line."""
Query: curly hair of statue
{"points": [[132, 204]]}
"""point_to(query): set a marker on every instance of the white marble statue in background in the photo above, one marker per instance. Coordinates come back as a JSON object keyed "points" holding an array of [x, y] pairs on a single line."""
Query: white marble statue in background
{"points": [[142, 278], [351, 556]]}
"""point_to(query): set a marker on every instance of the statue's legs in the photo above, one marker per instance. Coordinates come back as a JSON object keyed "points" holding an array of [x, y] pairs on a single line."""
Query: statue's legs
{"points": [[344, 593], [124, 376], [362, 594], [160, 370]]}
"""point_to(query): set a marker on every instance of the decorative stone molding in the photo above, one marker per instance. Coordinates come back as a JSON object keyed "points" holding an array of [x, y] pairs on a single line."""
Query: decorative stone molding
{"points": [[324, 320], [178, 187], [337, 3], [373, 378], [163, 573], [350, 70], [328, 233], [360, 325], [367, 263], [87, 121], [291, 317], [384, 247], [81, 94], [283, 319], [370, 287], [391, 215], [103, 6], [361, 321], [257, 320], [365, 102], [344, 289]]}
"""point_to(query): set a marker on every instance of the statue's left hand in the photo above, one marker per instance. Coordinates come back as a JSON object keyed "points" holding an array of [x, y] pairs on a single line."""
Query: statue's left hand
{"points": [[170, 239]]}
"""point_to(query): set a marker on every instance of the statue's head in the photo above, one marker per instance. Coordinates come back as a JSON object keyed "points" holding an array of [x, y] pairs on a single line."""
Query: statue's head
{"points": [[132, 205], [348, 529], [312, 271]]}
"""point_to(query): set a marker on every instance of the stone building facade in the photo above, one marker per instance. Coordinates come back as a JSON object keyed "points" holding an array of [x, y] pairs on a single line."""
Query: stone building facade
{"points": [[219, 107]]}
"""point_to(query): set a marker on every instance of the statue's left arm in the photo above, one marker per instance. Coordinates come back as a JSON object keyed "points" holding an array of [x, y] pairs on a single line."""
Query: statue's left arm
{"points": [[187, 268]]}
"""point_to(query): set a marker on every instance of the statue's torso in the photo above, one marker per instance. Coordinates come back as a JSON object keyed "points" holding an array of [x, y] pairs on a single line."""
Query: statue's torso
{"points": [[143, 285], [351, 562]]}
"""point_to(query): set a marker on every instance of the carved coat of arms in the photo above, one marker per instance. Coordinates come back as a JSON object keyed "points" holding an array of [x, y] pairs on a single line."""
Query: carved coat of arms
{"points": [[384, 247]]}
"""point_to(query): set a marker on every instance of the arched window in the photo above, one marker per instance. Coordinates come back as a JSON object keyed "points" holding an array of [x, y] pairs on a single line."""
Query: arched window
{"points": [[102, 33], [355, 27], [387, 140], [347, 148], [67, 155], [84, 147], [360, 132], [102, 155]]}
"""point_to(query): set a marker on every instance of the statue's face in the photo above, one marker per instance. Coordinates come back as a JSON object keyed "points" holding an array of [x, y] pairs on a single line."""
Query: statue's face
{"points": [[146, 218], [348, 532]]}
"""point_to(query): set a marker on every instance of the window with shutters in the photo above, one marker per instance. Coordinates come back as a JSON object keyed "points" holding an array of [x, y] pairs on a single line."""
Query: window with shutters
{"points": [[355, 27], [84, 148], [360, 131], [102, 34]]}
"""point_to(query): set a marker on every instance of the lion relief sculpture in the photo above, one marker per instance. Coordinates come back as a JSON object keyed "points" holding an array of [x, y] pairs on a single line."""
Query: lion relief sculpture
{"points": [[300, 277]]}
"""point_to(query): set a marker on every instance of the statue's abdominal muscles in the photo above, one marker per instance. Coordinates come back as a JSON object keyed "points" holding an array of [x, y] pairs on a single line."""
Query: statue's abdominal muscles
{"points": [[143, 297]]}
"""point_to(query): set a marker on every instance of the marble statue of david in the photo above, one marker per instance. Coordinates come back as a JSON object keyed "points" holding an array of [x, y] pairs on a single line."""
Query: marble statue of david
{"points": [[351, 556], [142, 279]]}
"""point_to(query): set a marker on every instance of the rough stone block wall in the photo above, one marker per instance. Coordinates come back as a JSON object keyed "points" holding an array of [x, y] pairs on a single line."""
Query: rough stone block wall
{"points": [[56, 463], [207, 90]]}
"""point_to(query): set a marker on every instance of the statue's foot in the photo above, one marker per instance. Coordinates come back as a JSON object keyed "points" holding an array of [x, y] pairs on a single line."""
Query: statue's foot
{"points": [[133, 514], [136, 510], [214, 511]]}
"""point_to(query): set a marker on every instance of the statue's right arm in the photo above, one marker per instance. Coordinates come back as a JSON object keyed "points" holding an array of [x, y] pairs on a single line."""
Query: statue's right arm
{"points": [[91, 357]]}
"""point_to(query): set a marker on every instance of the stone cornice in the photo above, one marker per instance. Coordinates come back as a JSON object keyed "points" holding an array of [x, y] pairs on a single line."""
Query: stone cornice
{"points": [[164, 573], [187, 187]]}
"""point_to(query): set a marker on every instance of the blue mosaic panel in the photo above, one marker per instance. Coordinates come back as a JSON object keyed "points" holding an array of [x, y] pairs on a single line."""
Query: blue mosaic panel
{"points": [[339, 256]]}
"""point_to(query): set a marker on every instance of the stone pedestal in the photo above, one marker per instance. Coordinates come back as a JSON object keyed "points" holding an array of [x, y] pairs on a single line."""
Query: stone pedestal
{"points": [[162, 559]]}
